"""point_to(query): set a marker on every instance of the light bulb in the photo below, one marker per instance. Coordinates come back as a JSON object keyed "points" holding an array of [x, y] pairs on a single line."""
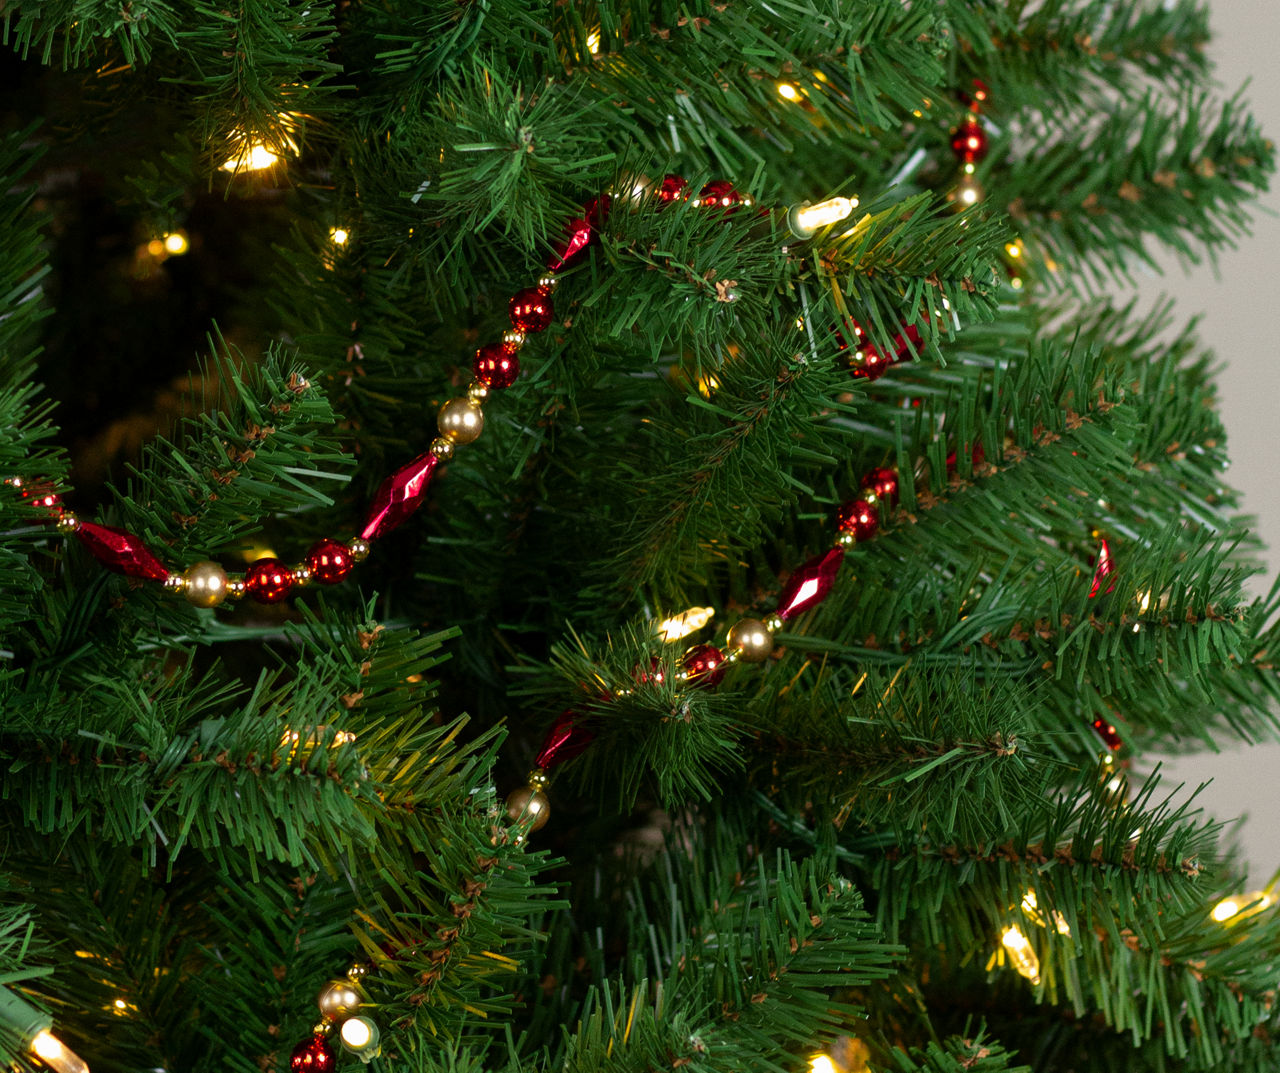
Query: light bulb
{"points": [[822, 1063], [339, 235], [175, 242], [1022, 954], [56, 1055], [788, 91], [804, 220], [593, 42], [685, 623], [1242, 906]]}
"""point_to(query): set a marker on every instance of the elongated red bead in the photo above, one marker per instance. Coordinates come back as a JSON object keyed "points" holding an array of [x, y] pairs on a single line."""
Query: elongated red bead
{"points": [[399, 496], [809, 585], [1103, 567], [121, 551], [567, 738]]}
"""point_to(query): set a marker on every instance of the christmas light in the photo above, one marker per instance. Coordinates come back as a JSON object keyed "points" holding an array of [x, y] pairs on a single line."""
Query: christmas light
{"points": [[250, 157], [593, 42], [822, 1063], [339, 236], [56, 1055], [1032, 911], [1242, 906], [360, 1037], [175, 243], [804, 220], [1022, 954], [788, 91], [685, 623]]}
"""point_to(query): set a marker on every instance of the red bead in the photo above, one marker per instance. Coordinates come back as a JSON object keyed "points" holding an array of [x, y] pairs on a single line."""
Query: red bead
{"points": [[868, 363], [969, 141], [1103, 567], [530, 309], [268, 581], [704, 665], [977, 456], [121, 551], [907, 343], [718, 194], [596, 210], [859, 518], [884, 482], [577, 237], [399, 496], [567, 738], [672, 189], [496, 365], [654, 674], [809, 585], [1109, 735], [329, 561], [313, 1056], [43, 496]]}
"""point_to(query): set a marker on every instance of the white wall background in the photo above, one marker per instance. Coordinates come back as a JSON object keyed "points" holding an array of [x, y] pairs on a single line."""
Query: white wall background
{"points": [[1241, 307]]}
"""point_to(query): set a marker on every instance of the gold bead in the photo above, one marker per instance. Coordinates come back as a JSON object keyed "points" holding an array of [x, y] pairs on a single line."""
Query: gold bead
{"points": [[549, 282], [322, 1028], [968, 191], [205, 584], [773, 623], [460, 421], [869, 497], [442, 448], [359, 548], [527, 804], [477, 392], [538, 779], [513, 338], [751, 639], [846, 538], [235, 588], [357, 970], [338, 999], [67, 522], [175, 583], [301, 574]]}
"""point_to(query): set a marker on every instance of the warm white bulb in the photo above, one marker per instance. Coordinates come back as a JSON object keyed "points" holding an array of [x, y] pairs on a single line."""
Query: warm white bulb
{"points": [[685, 623], [822, 1063], [1021, 953], [593, 42], [176, 243], [788, 92], [806, 219], [56, 1055], [1225, 909], [355, 1032], [255, 157]]}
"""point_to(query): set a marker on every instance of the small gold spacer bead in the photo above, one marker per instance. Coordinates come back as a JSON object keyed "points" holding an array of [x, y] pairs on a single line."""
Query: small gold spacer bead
{"points": [[846, 538], [322, 1028], [442, 448], [301, 574], [773, 623], [67, 522], [538, 779], [359, 548], [235, 588], [732, 656], [357, 970], [175, 583], [513, 338], [16, 482], [549, 282], [869, 496], [477, 392]]}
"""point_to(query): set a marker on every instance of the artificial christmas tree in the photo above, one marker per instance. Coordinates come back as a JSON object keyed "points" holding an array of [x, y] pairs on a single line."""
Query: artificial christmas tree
{"points": [[665, 558]]}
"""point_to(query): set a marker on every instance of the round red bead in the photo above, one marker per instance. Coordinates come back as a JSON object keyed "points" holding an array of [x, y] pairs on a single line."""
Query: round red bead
{"points": [[868, 363], [884, 482], [718, 193], [672, 189], [704, 665], [531, 309], [268, 581], [329, 561], [313, 1056], [969, 141], [859, 518], [496, 365]]}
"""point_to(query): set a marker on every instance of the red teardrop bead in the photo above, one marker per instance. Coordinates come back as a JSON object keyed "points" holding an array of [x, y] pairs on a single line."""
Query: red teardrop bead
{"points": [[567, 738], [268, 581], [884, 482], [530, 309], [577, 237], [718, 194], [1103, 567], [121, 551], [399, 496], [672, 189], [969, 141], [43, 495], [313, 1055], [705, 666], [859, 518], [329, 561], [496, 365], [809, 585]]}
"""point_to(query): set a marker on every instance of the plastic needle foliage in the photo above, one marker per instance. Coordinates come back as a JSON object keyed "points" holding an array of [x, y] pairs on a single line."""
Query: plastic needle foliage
{"points": [[247, 251]]}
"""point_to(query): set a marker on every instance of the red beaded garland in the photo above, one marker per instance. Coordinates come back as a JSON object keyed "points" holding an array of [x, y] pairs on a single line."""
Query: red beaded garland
{"points": [[809, 585], [1109, 735], [672, 189], [567, 738], [313, 1056], [531, 309], [969, 141], [868, 363], [268, 581], [704, 666], [718, 193], [329, 561], [121, 551], [496, 365], [577, 237], [398, 496], [884, 482], [859, 518]]}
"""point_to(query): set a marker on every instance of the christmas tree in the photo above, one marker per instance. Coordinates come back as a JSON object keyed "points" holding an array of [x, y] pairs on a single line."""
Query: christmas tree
{"points": [[619, 536]]}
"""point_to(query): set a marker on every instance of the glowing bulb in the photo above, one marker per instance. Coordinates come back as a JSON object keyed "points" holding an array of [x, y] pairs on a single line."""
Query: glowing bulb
{"points": [[685, 623], [175, 242], [706, 385], [1032, 911], [1015, 283], [821, 1063], [1225, 909], [804, 220], [120, 1004], [355, 1032], [250, 157], [593, 42], [1144, 601], [339, 235], [1022, 954], [1242, 905], [1014, 249], [155, 247], [788, 91], [56, 1055]]}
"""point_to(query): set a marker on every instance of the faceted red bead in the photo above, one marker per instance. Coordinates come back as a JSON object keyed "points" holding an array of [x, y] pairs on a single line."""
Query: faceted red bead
{"points": [[884, 482], [1103, 567], [969, 141], [868, 363], [496, 365], [672, 189], [44, 496], [399, 496], [596, 210], [329, 561], [859, 518], [718, 194], [531, 309], [577, 237], [121, 551], [809, 585], [567, 738], [313, 1056], [268, 581], [907, 343], [705, 666], [1109, 735]]}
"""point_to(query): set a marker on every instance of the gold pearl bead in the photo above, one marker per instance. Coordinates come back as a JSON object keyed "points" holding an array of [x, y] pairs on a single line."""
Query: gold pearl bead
{"points": [[338, 999], [460, 421], [527, 804], [442, 448], [359, 549], [67, 523], [235, 588], [751, 639], [301, 574], [477, 392], [549, 282], [846, 538], [773, 623], [175, 583], [513, 338], [205, 584]]}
